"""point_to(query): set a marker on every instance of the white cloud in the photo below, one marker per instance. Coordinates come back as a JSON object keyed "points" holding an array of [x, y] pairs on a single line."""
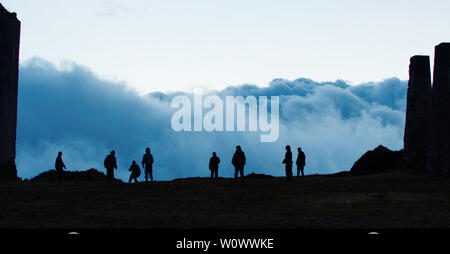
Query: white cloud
{"points": [[74, 111]]}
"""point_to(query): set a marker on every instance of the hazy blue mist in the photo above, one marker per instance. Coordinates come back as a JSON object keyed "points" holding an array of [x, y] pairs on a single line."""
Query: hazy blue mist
{"points": [[74, 111]]}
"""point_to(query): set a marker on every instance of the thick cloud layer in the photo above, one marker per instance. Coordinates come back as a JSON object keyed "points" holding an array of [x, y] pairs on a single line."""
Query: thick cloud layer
{"points": [[74, 111]]}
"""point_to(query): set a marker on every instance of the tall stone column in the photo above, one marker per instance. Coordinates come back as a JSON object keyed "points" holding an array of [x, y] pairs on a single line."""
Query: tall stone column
{"points": [[9, 77], [418, 112], [439, 146]]}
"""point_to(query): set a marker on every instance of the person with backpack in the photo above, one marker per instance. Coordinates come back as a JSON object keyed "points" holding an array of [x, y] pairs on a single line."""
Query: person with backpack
{"points": [[214, 165], [238, 162], [110, 164]]}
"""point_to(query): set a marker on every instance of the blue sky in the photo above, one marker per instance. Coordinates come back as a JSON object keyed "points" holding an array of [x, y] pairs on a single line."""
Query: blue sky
{"points": [[92, 73], [76, 112], [178, 45]]}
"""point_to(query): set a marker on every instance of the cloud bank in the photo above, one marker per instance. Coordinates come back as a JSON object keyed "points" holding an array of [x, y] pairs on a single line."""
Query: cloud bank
{"points": [[74, 111]]}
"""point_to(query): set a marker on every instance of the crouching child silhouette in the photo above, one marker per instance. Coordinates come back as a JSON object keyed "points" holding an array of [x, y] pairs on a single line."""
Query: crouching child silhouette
{"points": [[135, 172]]}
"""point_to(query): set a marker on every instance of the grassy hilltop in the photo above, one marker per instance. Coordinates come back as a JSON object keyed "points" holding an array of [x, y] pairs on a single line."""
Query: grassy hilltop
{"points": [[388, 200]]}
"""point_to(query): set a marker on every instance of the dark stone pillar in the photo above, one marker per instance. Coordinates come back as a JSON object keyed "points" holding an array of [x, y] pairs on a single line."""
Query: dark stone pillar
{"points": [[417, 112], [9, 77], [439, 146]]}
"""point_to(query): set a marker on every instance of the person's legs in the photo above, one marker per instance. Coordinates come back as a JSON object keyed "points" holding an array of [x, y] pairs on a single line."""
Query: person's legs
{"points": [[242, 172], [235, 173], [59, 174], [146, 174], [289, 171], [216, 171], [151, 174], [131, 178], [108, 175], [302, 168]]}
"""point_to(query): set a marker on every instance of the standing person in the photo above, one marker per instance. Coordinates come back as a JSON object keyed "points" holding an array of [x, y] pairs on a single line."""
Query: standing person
{"points": [[135, 172], [110, 164], [288, 162], [147, 164], [238, 162], [301, 161], [59, 165], [214, 165]]}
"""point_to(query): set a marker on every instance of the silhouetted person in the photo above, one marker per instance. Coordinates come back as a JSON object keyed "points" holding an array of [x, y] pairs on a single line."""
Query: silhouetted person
{"points": [[214, 165], [238, 162], [110, 164], [59, 165], [147, 164], [288, 162], [301, 161], [135, 172]]}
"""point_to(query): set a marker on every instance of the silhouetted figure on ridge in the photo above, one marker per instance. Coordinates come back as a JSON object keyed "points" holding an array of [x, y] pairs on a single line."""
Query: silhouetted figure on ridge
{"points": [[59, 165], [147, 164], [288, 162], [135, 172], [238, 162], [301, 161], [214, 165], [110, 164]]}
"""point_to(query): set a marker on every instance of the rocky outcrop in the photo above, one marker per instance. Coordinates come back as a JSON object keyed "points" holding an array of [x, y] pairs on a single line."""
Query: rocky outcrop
{"points": [[418, 112], [9, 76], [439, 143], [89, 176], [379, 160]]}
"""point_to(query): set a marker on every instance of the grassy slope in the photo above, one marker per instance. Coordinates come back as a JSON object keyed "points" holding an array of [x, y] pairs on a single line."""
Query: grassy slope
{"points": [[392, 200]]}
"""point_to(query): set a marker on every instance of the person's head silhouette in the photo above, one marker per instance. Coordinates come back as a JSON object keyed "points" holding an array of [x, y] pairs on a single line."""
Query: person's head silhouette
{"points": [[113, 152], [238, 148], [147, 150], [299, 149], [214, 154], [288, 148], [59, 153]]}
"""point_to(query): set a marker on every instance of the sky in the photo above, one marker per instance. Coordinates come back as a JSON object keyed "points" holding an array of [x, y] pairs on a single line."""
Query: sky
{"points": [[181, 45], [75, 111], [97, 76]]}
